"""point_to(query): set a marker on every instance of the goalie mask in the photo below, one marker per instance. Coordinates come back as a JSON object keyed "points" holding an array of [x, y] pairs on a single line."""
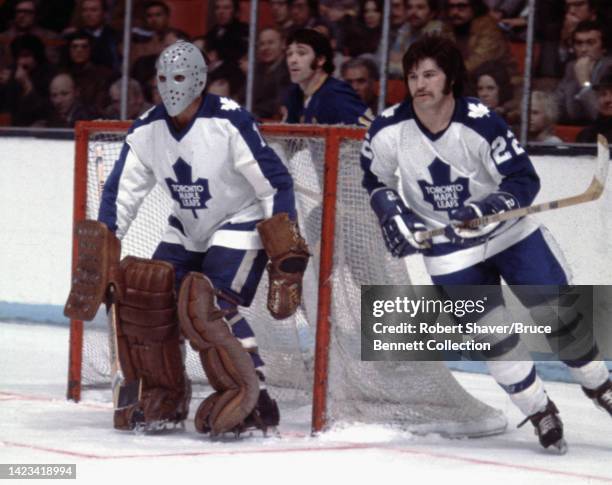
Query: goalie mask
{"points": [[181, 76]]}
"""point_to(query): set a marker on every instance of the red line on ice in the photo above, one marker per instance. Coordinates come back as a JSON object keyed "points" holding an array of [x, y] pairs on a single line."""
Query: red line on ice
{"points": [[12, 396], [306, 449]]}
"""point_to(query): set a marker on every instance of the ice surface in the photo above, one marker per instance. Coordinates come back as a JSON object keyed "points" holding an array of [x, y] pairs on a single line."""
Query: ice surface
{"points": [[37, 425]]}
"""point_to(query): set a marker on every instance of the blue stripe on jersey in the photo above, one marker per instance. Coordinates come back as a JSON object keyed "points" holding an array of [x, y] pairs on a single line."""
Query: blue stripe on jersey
{"points": [[108, 205]]}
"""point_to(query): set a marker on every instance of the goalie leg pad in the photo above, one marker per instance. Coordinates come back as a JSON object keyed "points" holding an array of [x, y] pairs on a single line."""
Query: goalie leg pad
{"points": [[227, 365], [149, 342], [288, 253]]}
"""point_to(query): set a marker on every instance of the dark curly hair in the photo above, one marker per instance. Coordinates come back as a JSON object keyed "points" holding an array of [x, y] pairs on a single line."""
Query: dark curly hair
{"points": [[447, 56]]}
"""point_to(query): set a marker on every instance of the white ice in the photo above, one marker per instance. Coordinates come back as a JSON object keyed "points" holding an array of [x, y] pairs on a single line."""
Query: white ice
{"points": [[38, 425]]}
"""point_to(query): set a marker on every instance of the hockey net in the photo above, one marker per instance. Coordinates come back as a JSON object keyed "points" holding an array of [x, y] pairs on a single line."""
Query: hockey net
{"points": [[312, 359]]}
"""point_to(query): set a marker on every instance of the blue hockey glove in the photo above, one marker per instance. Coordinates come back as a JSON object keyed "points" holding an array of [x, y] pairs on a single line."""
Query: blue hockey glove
{"points": [[491, 204], [399, 224]]}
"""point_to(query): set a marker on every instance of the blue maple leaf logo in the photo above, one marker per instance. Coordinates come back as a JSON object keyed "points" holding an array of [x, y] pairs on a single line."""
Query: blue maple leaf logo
{"points": [[444, 194], [190, 194]]}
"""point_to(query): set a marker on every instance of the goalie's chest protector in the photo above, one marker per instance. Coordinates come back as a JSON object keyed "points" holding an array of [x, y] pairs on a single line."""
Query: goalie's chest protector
{"points": [[197, 168]]}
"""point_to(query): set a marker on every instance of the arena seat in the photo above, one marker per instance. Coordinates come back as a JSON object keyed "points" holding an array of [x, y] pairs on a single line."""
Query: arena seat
{"points": [[568, 133]]}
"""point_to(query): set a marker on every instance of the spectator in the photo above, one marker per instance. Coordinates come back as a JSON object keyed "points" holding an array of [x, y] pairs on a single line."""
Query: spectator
{"points": [[136, 102], [477, 35], [420, 20], [304, 13], [362, 75], [271, 74], [67, 108], [578, 102], [25, 22], [399, 32], [340, 17], [25, 87], [494, 89], [91, 19], [229, 36], [603, 123], [576, 11], [279, 10], [156, 23], [511, 16], [92, 79], [227, 80], [172, 35], [543, 115], [365, 38]]}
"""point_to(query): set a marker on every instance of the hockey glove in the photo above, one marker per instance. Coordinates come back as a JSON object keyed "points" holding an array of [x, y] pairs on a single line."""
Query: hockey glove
{"points": [[399, 224], [494, 203]]}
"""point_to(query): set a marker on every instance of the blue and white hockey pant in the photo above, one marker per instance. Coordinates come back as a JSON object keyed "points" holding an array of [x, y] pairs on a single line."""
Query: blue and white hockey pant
{"points": [[534, 260], [235, 272]]}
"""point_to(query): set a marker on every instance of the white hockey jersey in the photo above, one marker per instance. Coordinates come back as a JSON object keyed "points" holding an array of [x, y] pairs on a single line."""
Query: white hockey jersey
{"points": [[476, 155], [218, 170]]}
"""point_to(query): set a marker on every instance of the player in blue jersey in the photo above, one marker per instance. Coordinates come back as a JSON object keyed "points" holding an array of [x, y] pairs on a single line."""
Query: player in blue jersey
{"points": [[456, 161], [233, 208], [316, 97]]}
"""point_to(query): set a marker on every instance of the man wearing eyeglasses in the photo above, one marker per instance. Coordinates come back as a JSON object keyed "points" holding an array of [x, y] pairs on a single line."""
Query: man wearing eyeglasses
{"points": [[477, 35]]}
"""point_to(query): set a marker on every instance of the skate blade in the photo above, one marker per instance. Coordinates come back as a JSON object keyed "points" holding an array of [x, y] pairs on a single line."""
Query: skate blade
{"points": [[159, 427], [560, 447], [245, 433]]}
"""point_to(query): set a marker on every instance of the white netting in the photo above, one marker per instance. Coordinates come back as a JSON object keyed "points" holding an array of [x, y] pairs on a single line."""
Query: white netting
{"points": [[421, 396]]}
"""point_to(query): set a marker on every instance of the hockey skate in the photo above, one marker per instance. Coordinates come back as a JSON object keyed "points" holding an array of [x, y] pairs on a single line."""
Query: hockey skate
{"points": [[157, 412], [602, 396], [548, 427], [265, 416]]}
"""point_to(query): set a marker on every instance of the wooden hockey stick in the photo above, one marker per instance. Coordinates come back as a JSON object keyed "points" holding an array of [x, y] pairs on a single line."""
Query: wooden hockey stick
{"points": [[124, 394], [593, 192]]}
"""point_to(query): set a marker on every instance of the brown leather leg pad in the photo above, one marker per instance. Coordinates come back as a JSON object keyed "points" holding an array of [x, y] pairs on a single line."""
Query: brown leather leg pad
{"points": [[149, 339], [227, 365]]}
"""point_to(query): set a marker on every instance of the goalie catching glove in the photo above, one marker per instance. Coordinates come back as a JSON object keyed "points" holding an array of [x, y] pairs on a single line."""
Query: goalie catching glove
{"points": [[399, 224], [97, 268], [464, 235], [288, 255]]}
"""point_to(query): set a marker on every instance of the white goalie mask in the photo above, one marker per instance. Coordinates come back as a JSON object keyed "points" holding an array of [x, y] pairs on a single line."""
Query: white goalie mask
{"points": [[181, 76]]}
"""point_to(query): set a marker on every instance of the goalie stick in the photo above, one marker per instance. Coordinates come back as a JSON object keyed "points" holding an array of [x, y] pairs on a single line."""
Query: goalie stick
{"points": [[124, 394], [593, 192]]}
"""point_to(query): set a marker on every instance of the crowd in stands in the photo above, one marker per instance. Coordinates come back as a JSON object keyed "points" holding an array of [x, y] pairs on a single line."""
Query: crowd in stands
{"points": [[60, 60]]}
